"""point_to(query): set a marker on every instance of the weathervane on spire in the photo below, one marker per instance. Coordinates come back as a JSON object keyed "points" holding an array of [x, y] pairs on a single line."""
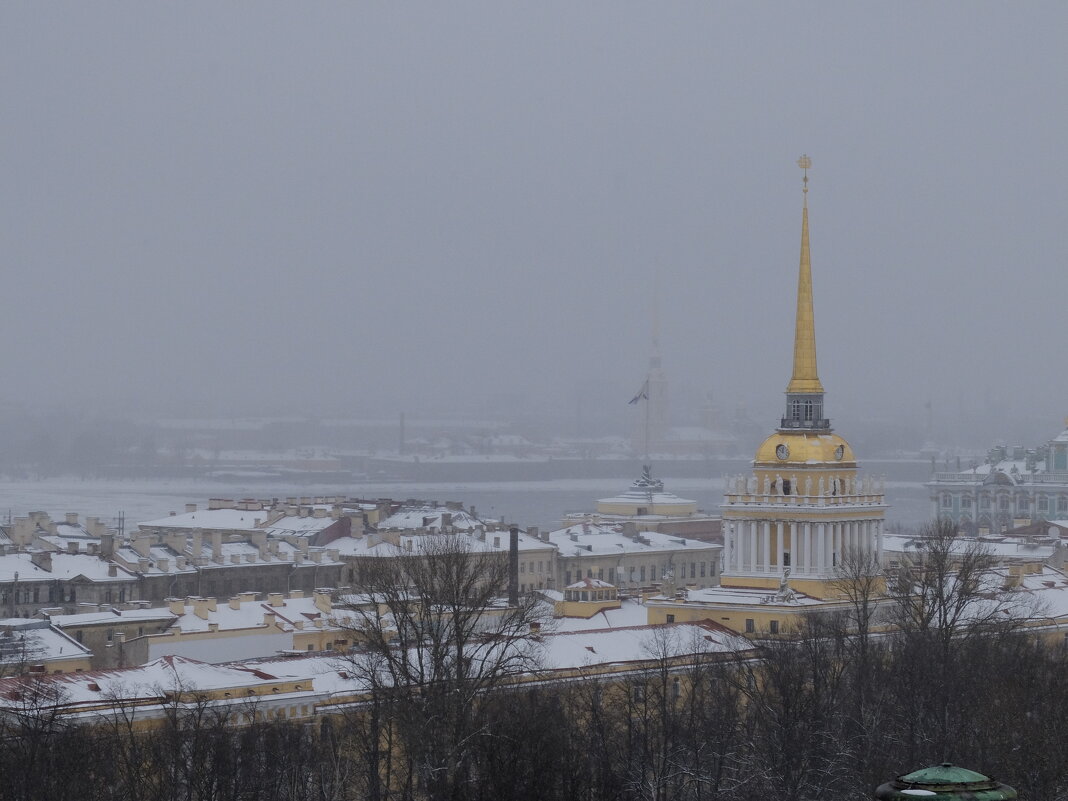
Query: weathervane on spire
{"points": [[804, 163]]}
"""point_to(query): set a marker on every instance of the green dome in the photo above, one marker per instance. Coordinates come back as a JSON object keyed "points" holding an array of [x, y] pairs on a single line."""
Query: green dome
{"points": [[944, 774], [944, 782]]}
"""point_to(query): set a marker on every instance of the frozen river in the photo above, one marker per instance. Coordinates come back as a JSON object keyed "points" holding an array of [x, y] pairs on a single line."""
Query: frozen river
{"points": [[528, 503]]}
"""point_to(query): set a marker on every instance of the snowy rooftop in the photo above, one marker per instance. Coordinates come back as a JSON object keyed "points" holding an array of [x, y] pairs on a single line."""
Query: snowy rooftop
{"points": [[600, 647], [374, 546], [629, 613], [110, 616], [299, 526], [27, 642], [1005, 549], [598, 538], [226, 519], [324, 679], [647, 490], [421, 517], [742, 596], [64, 566]]}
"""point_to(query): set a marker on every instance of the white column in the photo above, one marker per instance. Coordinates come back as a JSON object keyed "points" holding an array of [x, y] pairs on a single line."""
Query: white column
{"points": [[780, 543], [765, 556], [821, 546], [753, 548]]}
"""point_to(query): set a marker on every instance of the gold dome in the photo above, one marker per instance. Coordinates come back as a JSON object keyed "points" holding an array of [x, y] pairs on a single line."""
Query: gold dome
{"points": [[804, 448]]}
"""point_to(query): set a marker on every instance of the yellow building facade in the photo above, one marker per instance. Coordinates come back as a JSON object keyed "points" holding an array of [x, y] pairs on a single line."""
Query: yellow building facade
{"points": [[804, 510]]}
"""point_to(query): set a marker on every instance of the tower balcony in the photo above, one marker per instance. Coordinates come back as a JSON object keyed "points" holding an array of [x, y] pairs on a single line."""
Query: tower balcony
{"points": [[791, 424], [808, 501]]}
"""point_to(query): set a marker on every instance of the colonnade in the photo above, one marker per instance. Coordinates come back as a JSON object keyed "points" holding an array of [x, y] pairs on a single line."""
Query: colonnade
{"points": [[758, 546]]}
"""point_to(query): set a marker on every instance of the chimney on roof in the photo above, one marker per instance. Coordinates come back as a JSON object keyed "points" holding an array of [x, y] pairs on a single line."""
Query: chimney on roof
{"points": [[113, 570], [216, 546], [107, 545], [72, 518], [43, 560], [513, 566], [72, 546], [176, 606], [322, 600], [142, 544], [190, 508], [296, 594], [203, 606], [446, 520], [276, 599]]}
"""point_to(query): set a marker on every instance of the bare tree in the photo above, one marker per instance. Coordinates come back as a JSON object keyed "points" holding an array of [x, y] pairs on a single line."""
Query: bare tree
{"points": [[435, 637]]}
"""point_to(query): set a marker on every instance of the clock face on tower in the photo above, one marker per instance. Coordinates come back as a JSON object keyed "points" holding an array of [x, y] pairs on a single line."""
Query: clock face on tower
{"points": [[839, 452], [783, 451]]}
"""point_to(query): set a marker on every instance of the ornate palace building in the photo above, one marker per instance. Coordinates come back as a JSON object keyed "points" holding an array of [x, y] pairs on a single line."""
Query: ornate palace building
{"points": [[1016, 487]]}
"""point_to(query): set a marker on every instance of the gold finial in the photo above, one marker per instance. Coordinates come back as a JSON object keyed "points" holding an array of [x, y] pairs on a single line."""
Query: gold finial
{"points": [[804, 163], [805, 378]]}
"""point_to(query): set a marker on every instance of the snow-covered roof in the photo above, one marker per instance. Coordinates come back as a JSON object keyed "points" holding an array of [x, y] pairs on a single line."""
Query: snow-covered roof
{"points": [[111, 616], [743, 596], [602, 647], [64, 566], [629, 613], [26, 642], [249, 614], [412, 543], [584, 539], [298, 526], [219, 519], [423, 517], [1007, 549], [589, 583]]}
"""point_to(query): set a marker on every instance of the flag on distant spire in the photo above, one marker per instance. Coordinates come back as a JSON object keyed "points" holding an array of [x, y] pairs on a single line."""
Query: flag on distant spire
{"points": [[643, 394]]}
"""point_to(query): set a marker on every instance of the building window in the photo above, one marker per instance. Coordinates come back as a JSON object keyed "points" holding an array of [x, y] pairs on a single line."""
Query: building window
{"points": [[693, 569], [522, 567], [966, 502], [643, 573], [639, 692], [947, 501], [611, 575], [703, 569], [1043, 503], [110, 634], [1003, 503], [1062, 504], [984, 502], [773, 627], [567, 578], [600, 574], [670, 618], [750, 625], [676, 687]]}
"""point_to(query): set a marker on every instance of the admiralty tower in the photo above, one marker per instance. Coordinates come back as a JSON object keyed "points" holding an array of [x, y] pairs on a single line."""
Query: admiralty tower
{"points": [[804, 508]]}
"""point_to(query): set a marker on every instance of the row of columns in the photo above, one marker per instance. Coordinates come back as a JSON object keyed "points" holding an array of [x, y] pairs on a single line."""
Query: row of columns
{"points": [[816, 547]]}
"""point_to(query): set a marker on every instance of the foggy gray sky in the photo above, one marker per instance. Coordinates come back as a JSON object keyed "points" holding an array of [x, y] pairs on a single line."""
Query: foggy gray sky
{"points": [[356, 208]]}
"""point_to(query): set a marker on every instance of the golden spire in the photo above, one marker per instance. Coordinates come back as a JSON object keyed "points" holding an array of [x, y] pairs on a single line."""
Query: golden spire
{"points": [[804, 379]]}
